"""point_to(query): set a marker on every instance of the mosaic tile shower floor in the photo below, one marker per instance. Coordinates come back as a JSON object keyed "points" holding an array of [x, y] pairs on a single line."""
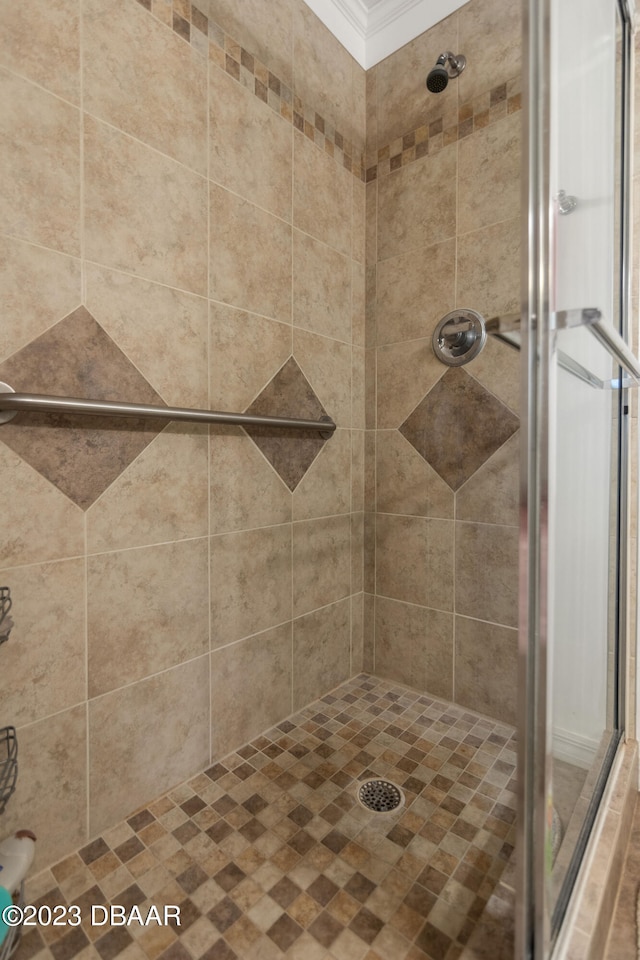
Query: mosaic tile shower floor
{"points": [[269, 854]]}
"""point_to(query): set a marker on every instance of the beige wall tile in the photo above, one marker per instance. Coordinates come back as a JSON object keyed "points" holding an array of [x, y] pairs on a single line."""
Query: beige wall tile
{"points": [[370, 439], [358, 304], [265, 31], [146, 80], [492, 494], [321, 652], [144, 213], [161, 496], [45, 525], [357, 552], [43, 664], [37, 288], [143, 318], [490, 37], [358, 470], [322, 195], [246, 492], [240, 273], [488, 269], [415, 290], [489, 175], [40, 160], [262, 665], [370, 524], [321, 562], [250, 146], [160, 619], [405, 373], [246, 351], [321, 288], [250, 582], [414, 645], [40, 39], [323, 74], [404, 103], [132, 731], [486, 668], [414, 560], [486, 572], [326, 486], [370, 388], [417, 204], [405, 481], [369, 633], [51, 791], [358, 225], [372, 114], [327, 366], [357, 633], [358, 388], [498, 368]]}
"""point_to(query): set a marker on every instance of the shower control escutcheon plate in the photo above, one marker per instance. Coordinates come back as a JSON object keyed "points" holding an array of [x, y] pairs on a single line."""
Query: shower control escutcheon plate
{"points": [[459, 337]]}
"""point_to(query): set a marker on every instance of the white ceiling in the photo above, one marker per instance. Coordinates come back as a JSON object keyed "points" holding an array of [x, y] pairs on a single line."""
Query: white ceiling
{"points": [[372, 29]]}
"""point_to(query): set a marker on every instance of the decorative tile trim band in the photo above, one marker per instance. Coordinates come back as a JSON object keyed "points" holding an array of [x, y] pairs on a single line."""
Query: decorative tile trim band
{"points": [[209, 39], [483, 111]]}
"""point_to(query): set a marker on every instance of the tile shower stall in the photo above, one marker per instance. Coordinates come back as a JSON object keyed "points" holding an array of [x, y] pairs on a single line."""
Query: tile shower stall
{"points": [[219, 632]]}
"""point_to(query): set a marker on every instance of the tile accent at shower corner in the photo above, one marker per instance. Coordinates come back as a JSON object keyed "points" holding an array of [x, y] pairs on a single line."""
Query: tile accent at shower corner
{"points": [[458, 426], [324, 73], [430, 137], [290, 451], [245, 67], [76, 358]]}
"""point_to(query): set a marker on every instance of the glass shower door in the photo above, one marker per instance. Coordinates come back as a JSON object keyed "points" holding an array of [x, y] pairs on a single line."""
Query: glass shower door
{"points": [[574, 456]]}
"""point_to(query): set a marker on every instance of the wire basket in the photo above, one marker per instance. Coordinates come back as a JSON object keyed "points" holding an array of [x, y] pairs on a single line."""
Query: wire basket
{"points": [[8, 765], [12, 940], [6, 622]]}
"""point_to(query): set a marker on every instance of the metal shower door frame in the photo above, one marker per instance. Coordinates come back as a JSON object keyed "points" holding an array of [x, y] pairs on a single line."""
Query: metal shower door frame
{"points": [[533, 934]]}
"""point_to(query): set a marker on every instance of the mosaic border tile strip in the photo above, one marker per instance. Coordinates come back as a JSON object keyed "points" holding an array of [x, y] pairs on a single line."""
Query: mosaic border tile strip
{"points": [[207, 37], [483, 111], [268, 852]]}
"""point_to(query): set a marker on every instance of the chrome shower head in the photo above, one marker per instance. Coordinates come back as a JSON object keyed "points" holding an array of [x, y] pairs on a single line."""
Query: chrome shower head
{"points": [[439, 77]]}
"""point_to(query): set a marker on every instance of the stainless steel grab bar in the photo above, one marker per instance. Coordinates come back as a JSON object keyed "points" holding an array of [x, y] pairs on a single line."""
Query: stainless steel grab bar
{"points": [[12, 403]]}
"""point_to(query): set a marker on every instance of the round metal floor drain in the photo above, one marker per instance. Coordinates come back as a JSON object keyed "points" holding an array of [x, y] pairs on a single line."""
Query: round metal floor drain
{"points": [[381, 796]]}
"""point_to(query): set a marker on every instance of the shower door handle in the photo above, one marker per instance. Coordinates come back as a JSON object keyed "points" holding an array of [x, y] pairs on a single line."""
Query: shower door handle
{"points": [[590, 317]]}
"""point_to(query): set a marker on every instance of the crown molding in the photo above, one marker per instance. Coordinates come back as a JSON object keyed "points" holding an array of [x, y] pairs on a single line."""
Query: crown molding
{"points": [[373, 29]]}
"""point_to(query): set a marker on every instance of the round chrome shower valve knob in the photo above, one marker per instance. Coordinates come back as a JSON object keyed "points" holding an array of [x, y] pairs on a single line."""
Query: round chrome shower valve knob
{"points": [[459, 337]]}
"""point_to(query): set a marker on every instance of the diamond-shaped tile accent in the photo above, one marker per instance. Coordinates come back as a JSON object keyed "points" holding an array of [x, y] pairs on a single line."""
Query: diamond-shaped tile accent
{"points": [[458, 426], [290, 452], [80, 455]]}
